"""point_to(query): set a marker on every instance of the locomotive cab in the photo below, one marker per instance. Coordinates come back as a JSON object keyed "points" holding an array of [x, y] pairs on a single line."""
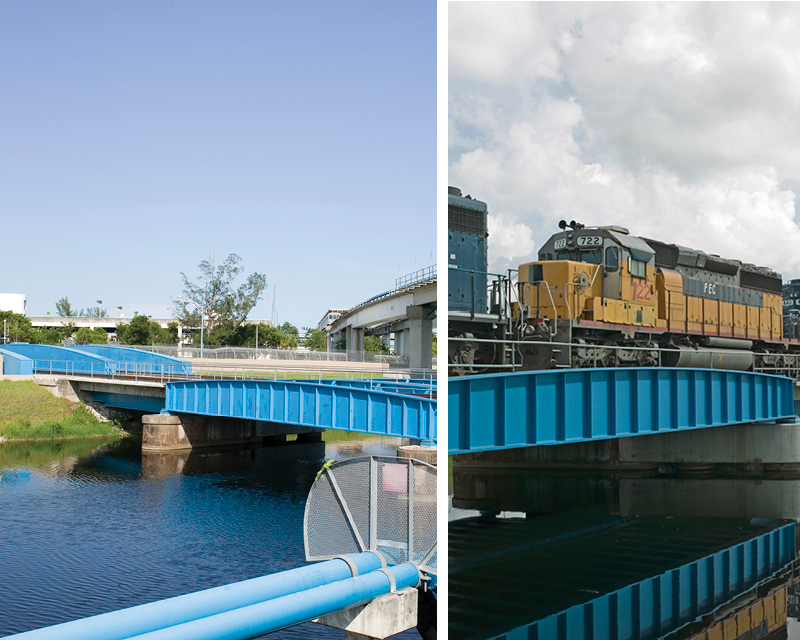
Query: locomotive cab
{"points": [[592, 275]]}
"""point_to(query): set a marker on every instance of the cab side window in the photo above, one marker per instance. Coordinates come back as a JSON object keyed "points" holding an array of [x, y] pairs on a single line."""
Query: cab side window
{"points": [[637, 268], [612, 257]]}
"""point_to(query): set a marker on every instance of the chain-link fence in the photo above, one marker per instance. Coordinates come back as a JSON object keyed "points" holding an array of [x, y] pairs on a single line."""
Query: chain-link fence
{"points": [[374, 504], [250, 353]]}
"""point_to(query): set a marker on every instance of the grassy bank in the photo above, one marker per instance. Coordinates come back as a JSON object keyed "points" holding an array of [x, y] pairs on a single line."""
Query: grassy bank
{"points": [[28, 412]]}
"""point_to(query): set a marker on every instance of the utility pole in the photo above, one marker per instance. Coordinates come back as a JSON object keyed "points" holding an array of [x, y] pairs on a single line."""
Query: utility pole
{"points": [[275, 305]]}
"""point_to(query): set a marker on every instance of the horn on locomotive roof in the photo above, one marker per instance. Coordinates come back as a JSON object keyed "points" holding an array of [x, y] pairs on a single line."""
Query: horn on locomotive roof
{"points": [[562, 224]]}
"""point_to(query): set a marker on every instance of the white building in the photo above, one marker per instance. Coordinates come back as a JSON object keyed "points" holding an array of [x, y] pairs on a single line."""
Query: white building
{"points": [[14, 302]]}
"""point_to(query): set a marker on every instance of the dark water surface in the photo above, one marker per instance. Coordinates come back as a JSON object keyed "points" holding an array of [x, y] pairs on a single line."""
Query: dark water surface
{"points": [[87, 528], [530, 549]]}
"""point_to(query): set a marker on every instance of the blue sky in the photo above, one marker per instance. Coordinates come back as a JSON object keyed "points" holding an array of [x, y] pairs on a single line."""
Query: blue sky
{"points": [[139, 138]]}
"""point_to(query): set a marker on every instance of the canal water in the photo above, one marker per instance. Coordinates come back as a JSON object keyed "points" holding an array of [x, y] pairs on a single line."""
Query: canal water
{"points": [[541, 553], [88, 526]]}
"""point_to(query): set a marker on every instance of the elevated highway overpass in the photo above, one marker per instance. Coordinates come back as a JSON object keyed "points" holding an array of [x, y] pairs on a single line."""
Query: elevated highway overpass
{"points": [[408, 311]]}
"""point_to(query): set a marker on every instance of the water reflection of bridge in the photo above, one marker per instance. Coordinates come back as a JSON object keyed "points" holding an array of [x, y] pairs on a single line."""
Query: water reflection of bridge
{"points": [[593, 574]]}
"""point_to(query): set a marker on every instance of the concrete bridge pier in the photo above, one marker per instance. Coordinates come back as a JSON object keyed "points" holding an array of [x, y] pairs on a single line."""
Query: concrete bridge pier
{"points": [[420, 338], [400, 330], [354, 336], [170, 432]]}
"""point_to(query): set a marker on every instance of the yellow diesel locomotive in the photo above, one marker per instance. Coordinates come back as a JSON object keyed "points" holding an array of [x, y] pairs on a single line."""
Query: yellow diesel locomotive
{"points": [[617, 300]]}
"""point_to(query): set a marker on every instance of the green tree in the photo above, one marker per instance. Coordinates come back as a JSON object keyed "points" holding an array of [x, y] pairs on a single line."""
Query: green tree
{"points": [[170, 334], [215, 297], [84, 334], [97, 335], [289, 329], [315, 339], [275, 338], [95, 312], [141, 330], [434, 344], [64, 309], [17, 327], [374, 344], [50, 335]]}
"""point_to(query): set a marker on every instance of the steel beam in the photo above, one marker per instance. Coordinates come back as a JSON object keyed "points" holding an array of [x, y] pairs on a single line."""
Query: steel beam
{"points": [[499, 411]]}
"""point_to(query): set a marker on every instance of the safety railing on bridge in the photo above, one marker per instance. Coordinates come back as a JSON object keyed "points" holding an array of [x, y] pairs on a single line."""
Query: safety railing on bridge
{"points": [[386, 294], [369, 378], [420, 275], [575, 355], [251, 353]]}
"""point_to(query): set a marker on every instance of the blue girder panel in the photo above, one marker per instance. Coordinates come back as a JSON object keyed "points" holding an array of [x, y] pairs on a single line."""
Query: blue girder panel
{"points": [[499, 411], [126, 401], [659, 605], [307, 404]]}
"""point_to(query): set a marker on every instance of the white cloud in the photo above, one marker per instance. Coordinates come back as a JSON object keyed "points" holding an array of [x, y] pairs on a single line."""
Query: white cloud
{"points": [[677, 120], [510, 242], [476, 27]]}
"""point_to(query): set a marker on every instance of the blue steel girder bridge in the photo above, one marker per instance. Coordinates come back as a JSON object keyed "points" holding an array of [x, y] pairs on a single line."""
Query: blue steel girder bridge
{"points": [[503, 411], [319, 405], [140, 380]]}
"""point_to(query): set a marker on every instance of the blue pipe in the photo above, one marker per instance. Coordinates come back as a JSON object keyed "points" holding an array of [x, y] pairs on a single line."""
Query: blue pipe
{"points": [[118, 625], [265, 617]]}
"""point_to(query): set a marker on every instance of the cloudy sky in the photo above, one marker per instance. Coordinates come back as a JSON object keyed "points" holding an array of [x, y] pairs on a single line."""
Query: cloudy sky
{"points": [[139, 138], [680, 121]]}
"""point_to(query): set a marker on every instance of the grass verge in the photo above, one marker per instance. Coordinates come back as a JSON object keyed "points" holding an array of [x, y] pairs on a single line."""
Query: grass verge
{"points": [[28, 412]]}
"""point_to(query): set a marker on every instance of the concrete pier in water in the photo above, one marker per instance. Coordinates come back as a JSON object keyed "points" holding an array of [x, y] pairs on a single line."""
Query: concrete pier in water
{"points": [[166, 432]]}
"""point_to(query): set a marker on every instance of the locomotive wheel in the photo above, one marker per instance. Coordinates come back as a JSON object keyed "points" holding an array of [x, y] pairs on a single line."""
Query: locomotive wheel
{"points": [[535, 355]]}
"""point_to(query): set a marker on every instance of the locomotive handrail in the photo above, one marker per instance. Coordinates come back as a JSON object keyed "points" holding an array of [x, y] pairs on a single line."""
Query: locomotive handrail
{"points": [[566, 298], [538, 284]]}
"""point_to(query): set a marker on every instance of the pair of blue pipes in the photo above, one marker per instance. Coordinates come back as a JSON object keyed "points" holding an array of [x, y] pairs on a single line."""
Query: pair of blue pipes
{"points": [[244, 609]]}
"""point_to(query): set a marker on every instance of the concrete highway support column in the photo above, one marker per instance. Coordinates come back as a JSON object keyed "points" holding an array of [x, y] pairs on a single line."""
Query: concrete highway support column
{"points": [[355, 343], [333, 337], [400, 341], [420, 343]]}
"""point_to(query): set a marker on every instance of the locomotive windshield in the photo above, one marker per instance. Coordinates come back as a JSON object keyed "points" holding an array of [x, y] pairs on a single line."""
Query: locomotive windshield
{"points": [[593, 256]]}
